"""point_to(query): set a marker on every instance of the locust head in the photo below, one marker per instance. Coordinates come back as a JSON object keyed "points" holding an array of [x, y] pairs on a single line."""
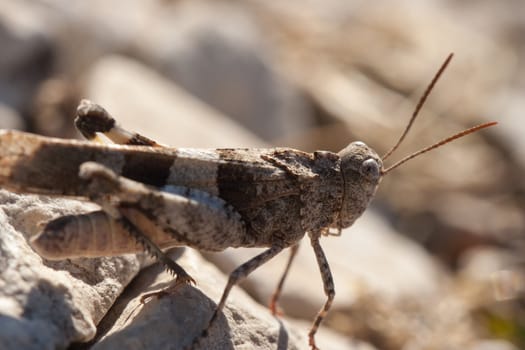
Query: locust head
{"points": [[362, 169]]}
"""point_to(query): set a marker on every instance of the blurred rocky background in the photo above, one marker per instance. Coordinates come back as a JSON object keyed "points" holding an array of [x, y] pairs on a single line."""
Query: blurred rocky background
{"points": [[437, 261]]}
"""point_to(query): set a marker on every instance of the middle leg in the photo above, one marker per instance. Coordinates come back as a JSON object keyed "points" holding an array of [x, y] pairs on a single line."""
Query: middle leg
{"points": [[328, 284], [155, 218], [235, 277], [277, 293]]}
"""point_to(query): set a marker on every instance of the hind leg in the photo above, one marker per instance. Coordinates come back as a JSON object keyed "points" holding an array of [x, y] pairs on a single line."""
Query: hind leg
{"points": [[92, 121], [189, 218]]}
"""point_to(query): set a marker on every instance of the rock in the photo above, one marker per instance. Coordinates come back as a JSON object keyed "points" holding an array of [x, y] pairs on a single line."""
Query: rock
{"points": [[44, 304], [54, 108], [488, 264], [27, 56], [9, 118], [216, 51], [172, 321], [220, 53], [511, 106], [493, 345], [439, 321], [142, 100], [327, 338]]}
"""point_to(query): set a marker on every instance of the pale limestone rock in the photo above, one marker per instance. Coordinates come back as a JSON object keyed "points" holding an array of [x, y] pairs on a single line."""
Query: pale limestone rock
{"points": [[171, 322], [495, 344], [44, 304], [26, 47], [160, 109], [221, 54], [9, 118], [216, 51]]}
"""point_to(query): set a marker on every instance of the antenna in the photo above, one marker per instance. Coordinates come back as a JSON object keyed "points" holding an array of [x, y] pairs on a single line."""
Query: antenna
{"points": [[413, 118], [419, 105], [439, 144]]}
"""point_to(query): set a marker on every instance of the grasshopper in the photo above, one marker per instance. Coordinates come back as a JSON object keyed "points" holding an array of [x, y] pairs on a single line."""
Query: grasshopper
{"points": [[202, 198]]}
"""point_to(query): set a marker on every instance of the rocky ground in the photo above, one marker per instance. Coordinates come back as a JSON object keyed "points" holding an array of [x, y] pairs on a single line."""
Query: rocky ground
{"points": [[435, 263]]}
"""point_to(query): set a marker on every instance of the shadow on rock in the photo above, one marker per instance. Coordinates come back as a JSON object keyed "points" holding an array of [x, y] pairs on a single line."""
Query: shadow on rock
{"points": [[168, 322], [47, 320]]}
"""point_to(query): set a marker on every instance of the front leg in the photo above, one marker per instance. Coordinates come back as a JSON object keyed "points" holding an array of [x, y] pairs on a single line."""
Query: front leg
{"points": [[328, 283], [103, 181]]}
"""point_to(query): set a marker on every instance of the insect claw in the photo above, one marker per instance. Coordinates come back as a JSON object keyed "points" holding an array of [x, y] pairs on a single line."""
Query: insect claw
{"points": [[275, 309], [335, 232], [311, 342], [184, 279], [157, 294]]}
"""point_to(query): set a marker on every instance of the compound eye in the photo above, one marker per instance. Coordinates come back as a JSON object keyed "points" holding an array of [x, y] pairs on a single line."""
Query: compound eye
{"points": [[370, 169]]}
